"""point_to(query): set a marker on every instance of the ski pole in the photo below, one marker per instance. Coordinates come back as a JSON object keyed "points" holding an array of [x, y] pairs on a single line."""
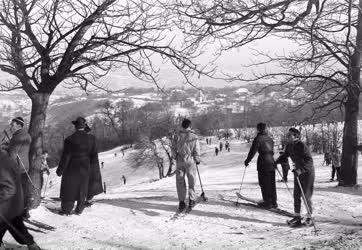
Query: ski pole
{"points": [[22, 164], [305, 203], [242, 181], [284, 182], [202, 190]]}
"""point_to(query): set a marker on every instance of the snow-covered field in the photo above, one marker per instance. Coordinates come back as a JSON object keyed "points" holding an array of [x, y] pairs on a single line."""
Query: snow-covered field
{"points": [[138, 215]]}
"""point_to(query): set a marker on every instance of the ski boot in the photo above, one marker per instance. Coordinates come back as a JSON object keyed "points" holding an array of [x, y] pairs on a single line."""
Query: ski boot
{"points": [[192, 203], [295, 222], [181, 206]]}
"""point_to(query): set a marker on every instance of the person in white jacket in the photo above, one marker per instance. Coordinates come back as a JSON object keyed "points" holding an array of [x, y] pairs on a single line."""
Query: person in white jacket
{"points": [[186, 152]]}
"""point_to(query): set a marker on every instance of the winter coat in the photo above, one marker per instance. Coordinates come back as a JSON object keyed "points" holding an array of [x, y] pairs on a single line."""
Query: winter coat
{"points": [[299, 152], [336, 159], [95, 185], [19, 146], [186, 146], [264, 145], [284, 163], [79, 154], [11, 193]]}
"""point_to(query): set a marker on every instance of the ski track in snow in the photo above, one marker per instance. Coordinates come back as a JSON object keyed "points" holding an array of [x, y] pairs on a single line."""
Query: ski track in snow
{"points": [[138, 215]]}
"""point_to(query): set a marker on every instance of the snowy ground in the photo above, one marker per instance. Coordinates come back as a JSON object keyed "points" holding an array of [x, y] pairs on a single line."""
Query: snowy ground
{"points": [[138, 215]]}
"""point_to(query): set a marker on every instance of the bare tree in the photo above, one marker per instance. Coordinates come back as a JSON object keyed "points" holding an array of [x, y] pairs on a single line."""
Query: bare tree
{"points": [[46, 43], [325, 68]]}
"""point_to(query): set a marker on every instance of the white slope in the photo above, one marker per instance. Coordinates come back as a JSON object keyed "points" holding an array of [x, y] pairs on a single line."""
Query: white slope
{"points": [[138, 215]]}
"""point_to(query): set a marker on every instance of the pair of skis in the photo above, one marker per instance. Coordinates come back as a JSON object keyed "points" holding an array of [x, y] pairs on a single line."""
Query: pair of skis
{"points": [[40, 226], [254, 203]]}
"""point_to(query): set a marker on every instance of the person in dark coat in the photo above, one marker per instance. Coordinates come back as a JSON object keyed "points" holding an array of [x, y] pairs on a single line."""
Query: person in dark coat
{"points": [[95, 186], [18, 150], [299, 152], [216, 151], [75, 167], [336, 166], [264, 145], [12, 204], [285, 167]]}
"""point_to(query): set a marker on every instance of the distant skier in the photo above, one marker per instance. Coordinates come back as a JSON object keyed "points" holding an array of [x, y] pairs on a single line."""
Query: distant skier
{"points": [[44, 169], [102, 163], [336, 158], [220, 146], [299, 152], [285, 167], [124, 179], [227, 146], [122, 150], [115, 154], [264, 145], [186, 151], [216, 151], [207, 141], [327, 158]]}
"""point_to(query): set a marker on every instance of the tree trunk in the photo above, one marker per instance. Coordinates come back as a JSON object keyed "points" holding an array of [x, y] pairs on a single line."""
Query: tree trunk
{"points": [[349, 153], [40, 103], [349, 161]]}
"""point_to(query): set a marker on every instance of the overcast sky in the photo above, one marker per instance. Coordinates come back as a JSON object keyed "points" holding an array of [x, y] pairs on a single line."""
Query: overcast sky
{"points": [[230, 62]]}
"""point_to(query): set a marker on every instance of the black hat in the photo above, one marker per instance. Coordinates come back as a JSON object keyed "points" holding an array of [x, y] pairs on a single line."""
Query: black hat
{"points": [[261, 126], [19, 120], [80, 122], [295, 131]]}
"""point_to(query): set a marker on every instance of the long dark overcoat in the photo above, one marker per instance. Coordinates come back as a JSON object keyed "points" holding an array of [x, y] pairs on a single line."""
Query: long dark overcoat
{"points": [[95, 180], [79, 153], [11, 193]]}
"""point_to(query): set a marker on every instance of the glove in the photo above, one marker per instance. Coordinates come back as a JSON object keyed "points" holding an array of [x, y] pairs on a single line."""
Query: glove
{"points": [[246, 163], [59, 173], [197, 163], [297, 172]]}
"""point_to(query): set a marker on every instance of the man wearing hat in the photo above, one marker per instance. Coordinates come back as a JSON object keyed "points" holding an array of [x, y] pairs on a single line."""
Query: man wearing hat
{"points": [[18, 150], [264, 145], [79, 154]]}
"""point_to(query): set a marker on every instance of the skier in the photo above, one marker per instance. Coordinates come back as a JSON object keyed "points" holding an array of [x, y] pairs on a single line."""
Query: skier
{"points": [[285, 167], [207, 141], [18, 150], [44, 170], [220, 146], [186, 151], [336, 157], [102, 163], [216, 151], [299, 152], [263, 144], [327, 158], [12, 204], [227, 146], [124, 179]]}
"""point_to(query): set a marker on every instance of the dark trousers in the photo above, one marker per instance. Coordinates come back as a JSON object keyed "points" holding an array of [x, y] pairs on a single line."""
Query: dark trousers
{"points": [[24, 184], [307, 181], [67, 206], [17, 229], [268, 187], [334, 171]]}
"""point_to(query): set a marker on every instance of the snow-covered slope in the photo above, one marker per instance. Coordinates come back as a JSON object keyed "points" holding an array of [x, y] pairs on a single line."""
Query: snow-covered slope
{"points": [[138, 215]]}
